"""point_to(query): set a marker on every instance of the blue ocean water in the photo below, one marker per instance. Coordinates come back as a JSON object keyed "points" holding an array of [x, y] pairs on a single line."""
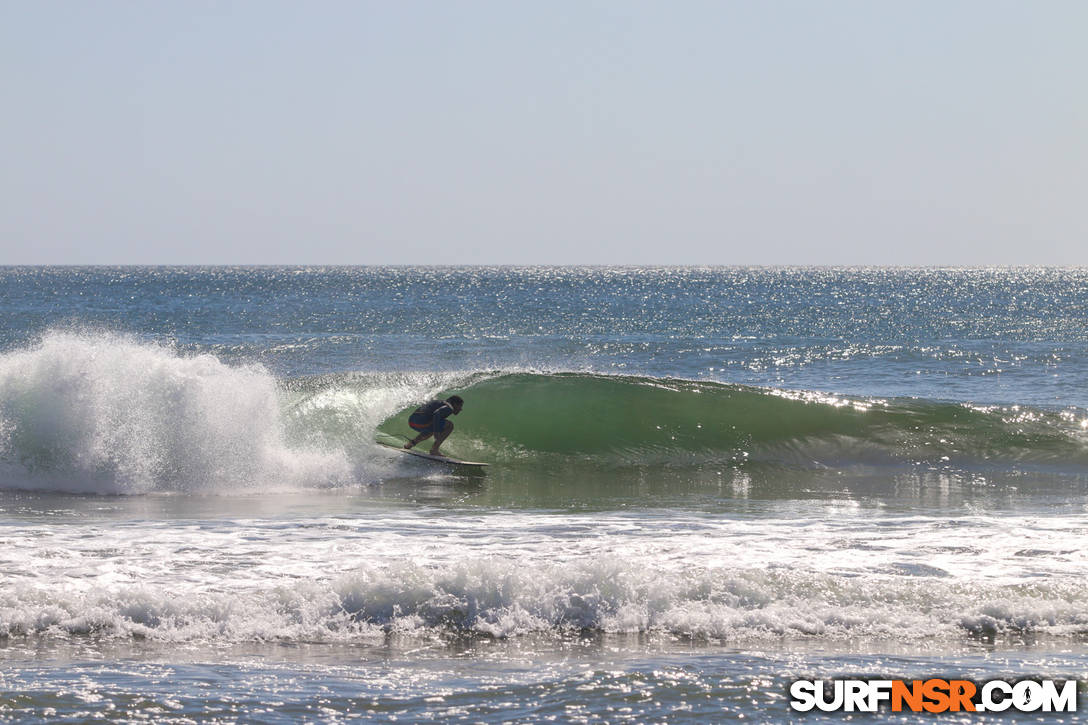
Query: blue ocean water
{"points": [[704, 483]]}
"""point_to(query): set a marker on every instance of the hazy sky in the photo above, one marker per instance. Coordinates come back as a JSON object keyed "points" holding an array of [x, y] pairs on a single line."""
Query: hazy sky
{"points": [[263, 132]]}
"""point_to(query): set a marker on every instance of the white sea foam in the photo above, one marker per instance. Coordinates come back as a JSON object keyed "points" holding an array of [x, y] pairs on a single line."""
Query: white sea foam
{"points": [[347, 579], [508, 598], [100, 412]]}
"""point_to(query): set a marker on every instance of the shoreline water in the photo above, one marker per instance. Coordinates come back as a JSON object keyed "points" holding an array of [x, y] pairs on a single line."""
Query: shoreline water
{"points": [[612, 677]]}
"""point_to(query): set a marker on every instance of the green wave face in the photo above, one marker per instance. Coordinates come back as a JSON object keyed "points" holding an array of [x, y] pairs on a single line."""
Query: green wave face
{"points": [[632, 420]]}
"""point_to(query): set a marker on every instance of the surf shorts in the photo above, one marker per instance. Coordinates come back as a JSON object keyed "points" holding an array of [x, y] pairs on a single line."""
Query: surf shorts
{"points": [[425, 423]]}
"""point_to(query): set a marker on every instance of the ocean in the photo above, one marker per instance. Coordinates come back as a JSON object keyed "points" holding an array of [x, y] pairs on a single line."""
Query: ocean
{"points": [[704, 484]]}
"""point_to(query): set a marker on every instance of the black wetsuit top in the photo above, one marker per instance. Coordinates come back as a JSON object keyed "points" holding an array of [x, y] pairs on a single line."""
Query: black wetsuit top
{"points": [[431, 416]]}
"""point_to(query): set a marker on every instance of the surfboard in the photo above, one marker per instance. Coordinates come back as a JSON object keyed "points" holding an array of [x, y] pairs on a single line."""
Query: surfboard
{"points": [[438, 459]]}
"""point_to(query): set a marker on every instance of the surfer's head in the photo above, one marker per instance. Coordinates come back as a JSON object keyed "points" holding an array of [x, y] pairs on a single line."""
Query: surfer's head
{"points": [[456, 402]]}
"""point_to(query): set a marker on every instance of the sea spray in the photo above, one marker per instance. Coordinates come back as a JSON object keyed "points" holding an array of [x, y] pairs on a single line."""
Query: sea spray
{"points": [[102, 412]]}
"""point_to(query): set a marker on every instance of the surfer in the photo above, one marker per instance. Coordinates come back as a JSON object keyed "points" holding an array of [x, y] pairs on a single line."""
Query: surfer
{"points": [[430, 419]]}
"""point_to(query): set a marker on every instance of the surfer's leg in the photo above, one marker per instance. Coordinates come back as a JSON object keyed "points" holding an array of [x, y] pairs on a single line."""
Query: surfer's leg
{"points": [[418, 439], [422, 425], [441, 436]]}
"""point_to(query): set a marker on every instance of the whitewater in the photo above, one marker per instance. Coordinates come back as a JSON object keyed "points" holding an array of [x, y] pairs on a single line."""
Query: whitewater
{"points": [[704, 484]]}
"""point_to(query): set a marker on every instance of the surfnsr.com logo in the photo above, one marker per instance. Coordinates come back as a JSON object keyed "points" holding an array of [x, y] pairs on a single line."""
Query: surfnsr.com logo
{"points": [[934, 695]]}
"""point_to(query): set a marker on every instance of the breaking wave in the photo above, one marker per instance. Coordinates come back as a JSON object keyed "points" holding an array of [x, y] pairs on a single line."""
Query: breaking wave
{"points": [[503, 598], [106, 413], [610, 420]]}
